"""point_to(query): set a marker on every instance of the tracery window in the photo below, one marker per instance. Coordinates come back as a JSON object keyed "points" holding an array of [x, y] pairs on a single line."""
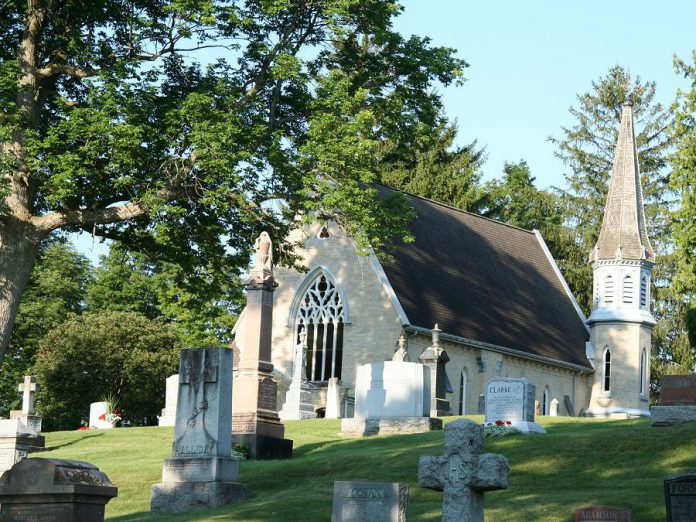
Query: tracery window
{"points": [[321, 313], [462, 393], [545, 402], [643, 372]]}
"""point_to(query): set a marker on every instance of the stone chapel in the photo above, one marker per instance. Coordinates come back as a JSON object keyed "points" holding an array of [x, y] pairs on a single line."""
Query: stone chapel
{"points": [[498, 297]]}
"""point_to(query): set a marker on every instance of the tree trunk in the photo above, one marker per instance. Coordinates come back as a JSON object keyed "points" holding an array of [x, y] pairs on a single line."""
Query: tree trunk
{"points": [[19, 247]]}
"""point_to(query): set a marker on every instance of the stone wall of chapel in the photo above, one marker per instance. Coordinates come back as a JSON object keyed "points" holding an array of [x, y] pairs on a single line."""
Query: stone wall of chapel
{"points": [[560, 381], [374, 324]]}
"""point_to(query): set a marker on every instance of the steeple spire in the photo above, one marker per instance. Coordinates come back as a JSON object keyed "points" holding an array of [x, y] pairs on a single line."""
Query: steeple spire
{"points": [[624, 234]]}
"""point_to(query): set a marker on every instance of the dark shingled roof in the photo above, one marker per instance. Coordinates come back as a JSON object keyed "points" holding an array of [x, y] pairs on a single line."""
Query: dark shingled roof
{"points": [[484, 280]]}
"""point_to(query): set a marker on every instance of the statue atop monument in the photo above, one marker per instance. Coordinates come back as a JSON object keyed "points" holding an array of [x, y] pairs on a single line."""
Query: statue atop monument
{"points": [[263, 269]]}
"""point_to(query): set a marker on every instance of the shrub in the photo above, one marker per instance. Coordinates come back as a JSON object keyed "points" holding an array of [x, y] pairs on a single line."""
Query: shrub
{"points": [[119, 354]]}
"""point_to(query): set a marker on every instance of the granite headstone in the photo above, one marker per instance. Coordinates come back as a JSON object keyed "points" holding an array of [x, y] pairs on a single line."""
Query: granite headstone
{"points": [[512, 399], [680, 498], [369, 502]]}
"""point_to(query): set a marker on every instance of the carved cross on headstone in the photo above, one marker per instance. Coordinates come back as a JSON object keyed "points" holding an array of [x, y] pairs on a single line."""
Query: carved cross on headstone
{"points": [[28, 388], [463, 472]]}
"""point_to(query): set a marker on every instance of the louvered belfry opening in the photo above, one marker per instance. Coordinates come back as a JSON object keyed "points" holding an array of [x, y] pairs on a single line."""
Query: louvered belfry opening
{"points": [[321, 315]]}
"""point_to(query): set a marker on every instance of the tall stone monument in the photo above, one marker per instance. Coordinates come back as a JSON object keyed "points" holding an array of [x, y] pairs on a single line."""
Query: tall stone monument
{"points": [[436, 358], [298, 400], [27, 414], [255, 421], [168, 416], [464, 472], [201, 473]]}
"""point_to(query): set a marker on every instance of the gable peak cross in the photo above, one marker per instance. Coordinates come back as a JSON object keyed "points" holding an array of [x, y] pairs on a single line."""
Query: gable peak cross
{"points": [[463, 473], [28, 388]]}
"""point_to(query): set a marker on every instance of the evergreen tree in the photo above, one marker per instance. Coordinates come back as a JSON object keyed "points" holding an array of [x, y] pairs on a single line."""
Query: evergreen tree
{"points": [[684, 182], [587, 148], [438, 170]]}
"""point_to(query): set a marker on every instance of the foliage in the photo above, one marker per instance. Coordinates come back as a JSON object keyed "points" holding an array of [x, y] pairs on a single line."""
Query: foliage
{"points": [[121, 354], [684, 182], [129, 281], [109, 124], [57, 287], [499, 429], [439, 171], [564, 464]]}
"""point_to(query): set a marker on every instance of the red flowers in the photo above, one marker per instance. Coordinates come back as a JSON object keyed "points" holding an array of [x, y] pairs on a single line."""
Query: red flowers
{"points": [[499, 423]]}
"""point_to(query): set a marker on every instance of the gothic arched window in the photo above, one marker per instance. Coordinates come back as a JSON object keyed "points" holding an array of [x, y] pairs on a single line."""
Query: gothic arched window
{"points": [[609, 289], [545, 401], [606, 384], [643, 372], [628, 289], [320, 311], [462, 393]]}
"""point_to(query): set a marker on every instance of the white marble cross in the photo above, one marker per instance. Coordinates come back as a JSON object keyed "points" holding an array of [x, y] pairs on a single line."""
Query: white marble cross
{"points": [[463, 473], [28, 387]]}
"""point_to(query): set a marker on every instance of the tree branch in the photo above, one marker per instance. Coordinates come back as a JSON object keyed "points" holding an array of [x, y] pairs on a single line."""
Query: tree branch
{"points": [[53, 69], [83, 218]]}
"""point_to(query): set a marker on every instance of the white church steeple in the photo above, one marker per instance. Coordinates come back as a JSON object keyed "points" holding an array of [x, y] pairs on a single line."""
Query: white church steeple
{"points": [[622, 261]]}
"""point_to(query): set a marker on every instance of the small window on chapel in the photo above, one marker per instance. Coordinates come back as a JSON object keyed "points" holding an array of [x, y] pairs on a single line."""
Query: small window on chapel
{"points": [[324, 233], [606, 385]]}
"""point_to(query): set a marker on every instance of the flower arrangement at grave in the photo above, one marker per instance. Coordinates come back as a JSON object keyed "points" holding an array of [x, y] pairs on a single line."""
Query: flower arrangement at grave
{"points": [[112, 414], [499, 428]]}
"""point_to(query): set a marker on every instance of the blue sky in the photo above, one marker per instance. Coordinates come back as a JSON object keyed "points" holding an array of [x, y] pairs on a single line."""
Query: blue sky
{"points": [[529, 60]]}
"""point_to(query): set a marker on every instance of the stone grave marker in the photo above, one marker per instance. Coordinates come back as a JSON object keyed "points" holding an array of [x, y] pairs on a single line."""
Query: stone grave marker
{"points": [[54, 490], [435, 358], [463, 472], [680, 498], [333, 399], [391, 397], [201, 473], [168, 416], [96, 410], [553, 408], [369, 502], [677, 401], [27, 414], [603, 513], [298, 399], [512, 399], [16, 442]]}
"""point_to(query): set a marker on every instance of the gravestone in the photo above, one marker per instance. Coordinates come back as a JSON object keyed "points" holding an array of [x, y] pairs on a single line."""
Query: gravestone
{"points": [[201, 473], [677, 401], [463, 472], [553, 408], [512, 399], [435, 358], [333, 399], [298, 399], [27, 414], [16, 442], [680, 498], [168, 417], [603, 513], [255, 421], [54, 490], [391, 397], [96, 410], [369, 502]]}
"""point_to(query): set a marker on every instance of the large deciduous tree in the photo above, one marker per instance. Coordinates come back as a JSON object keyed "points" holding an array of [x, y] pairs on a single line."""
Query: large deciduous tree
{"points": [[108, 125]]}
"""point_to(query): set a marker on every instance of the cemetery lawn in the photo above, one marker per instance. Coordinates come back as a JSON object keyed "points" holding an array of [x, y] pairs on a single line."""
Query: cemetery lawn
{"points": [[580, 462]]}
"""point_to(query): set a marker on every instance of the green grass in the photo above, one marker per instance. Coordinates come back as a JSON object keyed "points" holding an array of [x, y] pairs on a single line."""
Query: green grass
{"points": [[580, 462]]}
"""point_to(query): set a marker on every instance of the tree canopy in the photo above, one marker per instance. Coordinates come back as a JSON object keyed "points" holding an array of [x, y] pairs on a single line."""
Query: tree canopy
{"points": [[110, 124]]}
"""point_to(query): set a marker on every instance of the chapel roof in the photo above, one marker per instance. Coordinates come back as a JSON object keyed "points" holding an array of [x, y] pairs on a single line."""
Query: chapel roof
{"points": [[484, 280], [623, 234]]}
